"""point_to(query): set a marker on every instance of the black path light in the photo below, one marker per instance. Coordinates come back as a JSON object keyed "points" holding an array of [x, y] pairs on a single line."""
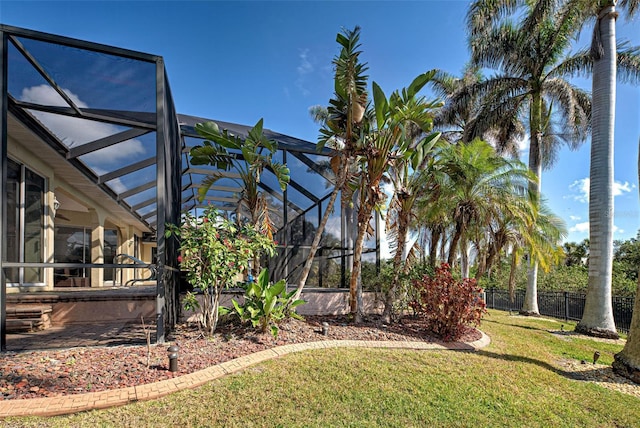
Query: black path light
{"points": [[172, 351]]}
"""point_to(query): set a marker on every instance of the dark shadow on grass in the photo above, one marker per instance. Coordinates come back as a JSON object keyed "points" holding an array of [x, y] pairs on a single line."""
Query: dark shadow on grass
{"points": [[528, 360], [525, 327], [589, 373]]}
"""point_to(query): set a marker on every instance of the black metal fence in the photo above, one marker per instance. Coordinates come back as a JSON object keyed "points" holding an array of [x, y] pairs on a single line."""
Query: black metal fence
{"points": [[560, 304]]}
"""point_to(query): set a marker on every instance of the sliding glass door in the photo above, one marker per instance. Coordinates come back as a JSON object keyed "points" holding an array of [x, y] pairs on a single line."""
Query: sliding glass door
{"points": [[25, 223]]}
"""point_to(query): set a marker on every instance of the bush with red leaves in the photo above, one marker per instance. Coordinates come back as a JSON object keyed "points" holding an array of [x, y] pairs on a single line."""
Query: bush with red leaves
{"points": [[448, 305]]}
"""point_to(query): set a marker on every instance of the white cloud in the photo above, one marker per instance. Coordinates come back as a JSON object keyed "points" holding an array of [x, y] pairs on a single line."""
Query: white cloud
{"points": [[584, 228], [304, 68], [79, 131], [580, 227], [580, 189], [574, 217], [523, 145], [620, 188], [116, 184]]}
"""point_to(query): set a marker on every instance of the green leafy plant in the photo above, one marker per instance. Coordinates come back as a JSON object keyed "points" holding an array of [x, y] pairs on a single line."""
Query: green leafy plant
{"points": [[266, 304], [448, 304], [249, 157], [214, 252]]}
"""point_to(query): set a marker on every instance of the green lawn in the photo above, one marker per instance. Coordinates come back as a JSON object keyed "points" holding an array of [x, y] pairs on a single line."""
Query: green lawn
{"points": [[512, 382]]}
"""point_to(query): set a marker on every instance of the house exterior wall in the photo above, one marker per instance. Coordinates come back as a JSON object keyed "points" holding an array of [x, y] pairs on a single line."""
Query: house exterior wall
{"points": [[79, 211]]}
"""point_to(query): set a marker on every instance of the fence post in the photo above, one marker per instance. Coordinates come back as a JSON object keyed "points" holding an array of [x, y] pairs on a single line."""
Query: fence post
{"points": [[566, 305]]}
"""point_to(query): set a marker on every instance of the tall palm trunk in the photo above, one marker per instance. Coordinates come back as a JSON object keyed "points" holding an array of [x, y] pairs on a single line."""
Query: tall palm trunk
{"points": [[597, 318], [453, 248], [433, 246], [530, 304], [464, 258], [627, 361]]}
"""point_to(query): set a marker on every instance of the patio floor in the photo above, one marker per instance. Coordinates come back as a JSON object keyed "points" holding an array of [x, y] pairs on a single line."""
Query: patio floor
{"points": [[95, 330], [70, 336]]}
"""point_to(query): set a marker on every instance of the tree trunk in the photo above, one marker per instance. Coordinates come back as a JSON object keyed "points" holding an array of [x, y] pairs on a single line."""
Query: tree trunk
{"points": [[403, 226], [530, 304], [454, 245], [512, 275], [597, 319], [317, 238], [355, 286], [627, 361], [464, 258], [433, 247]]}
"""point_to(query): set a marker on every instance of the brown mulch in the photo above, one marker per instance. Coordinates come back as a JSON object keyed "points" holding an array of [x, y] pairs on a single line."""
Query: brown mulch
{"points": [[52, 373]]}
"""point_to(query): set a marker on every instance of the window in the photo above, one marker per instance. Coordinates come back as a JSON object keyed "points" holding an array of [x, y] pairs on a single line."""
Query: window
{"points": [[110, 251], [25, 223], [72, 245]]}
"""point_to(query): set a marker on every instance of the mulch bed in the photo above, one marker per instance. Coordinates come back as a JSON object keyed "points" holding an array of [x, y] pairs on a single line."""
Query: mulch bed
{"points": [[52, 373]]}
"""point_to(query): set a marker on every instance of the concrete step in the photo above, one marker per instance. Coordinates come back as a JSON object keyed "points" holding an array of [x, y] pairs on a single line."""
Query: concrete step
{"points": [[26, 325], [24, 318]]}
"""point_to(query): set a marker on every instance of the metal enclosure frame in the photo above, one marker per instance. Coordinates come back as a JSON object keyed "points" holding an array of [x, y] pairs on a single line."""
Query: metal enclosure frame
{"points": [[175, 180]]}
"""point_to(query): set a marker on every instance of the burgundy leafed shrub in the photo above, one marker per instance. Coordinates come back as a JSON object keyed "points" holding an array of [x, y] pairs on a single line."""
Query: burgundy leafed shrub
{"points": [[447, 304]]}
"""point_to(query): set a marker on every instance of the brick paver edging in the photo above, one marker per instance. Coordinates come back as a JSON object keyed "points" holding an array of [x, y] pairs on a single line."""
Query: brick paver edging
{"points": [[116, 397]]}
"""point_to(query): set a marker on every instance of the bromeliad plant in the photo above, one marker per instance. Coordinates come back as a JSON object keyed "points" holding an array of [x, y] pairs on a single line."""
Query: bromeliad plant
{"points": [[266, 304], [214, 251]]}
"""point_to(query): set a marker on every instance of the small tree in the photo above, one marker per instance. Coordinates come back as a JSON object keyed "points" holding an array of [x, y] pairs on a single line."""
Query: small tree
{"points": [[214, 251], [248, 157]]}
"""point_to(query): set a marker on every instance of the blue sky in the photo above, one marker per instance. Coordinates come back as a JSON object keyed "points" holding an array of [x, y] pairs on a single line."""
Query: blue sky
{"points": [[241, 61]]}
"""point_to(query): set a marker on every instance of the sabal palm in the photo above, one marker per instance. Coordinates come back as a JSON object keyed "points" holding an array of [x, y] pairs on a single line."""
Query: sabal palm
{"points": [[598, 314], [531, 57]]}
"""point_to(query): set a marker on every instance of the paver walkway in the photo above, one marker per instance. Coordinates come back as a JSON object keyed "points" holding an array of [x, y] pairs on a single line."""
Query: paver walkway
{"points": [[103, 399]]}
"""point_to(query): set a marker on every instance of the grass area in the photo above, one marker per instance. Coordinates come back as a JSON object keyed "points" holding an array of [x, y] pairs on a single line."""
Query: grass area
{"points": [[515, 381]]}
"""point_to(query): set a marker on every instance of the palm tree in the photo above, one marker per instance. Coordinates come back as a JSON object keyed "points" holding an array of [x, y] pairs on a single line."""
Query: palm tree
{"points": [[380, 148], [532, 59], [408, 181], [342, 123], [627, 361], [480, 186], [576, 254], [597, 318], [455, 120]]}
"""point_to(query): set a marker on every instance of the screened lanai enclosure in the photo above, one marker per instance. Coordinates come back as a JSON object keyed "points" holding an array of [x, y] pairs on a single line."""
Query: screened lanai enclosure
{"points": [[95, 164]]}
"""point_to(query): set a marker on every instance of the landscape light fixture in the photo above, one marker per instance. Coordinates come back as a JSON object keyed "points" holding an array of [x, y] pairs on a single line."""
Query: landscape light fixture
{"points": [[172, 351], [325, 328]]}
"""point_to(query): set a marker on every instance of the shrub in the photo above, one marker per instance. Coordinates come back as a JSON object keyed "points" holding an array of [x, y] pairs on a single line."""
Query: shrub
{"points": [[214, 251], [265, 304], [448, 304]]}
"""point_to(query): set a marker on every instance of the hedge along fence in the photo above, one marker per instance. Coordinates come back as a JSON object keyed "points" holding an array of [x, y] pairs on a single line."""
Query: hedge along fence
{"points": [[560, 304]]}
